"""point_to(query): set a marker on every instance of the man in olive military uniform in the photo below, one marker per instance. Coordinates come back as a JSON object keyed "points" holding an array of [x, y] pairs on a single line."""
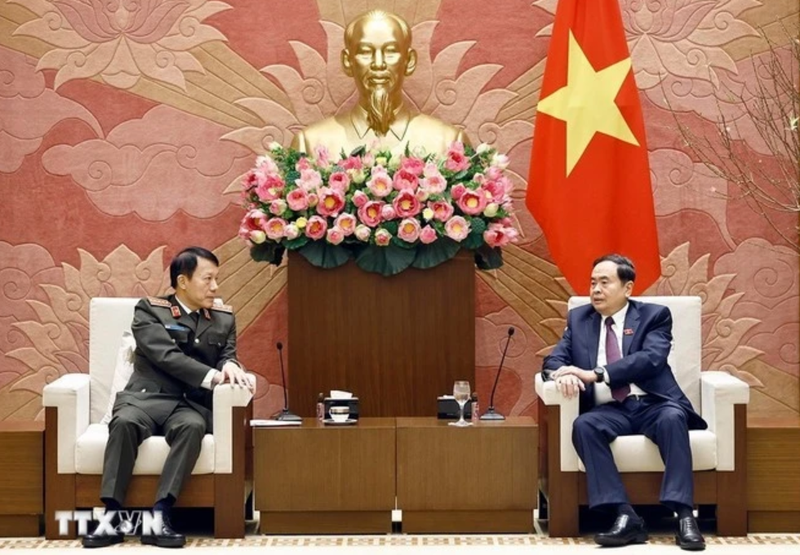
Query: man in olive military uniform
{"points": [[185, 345]]}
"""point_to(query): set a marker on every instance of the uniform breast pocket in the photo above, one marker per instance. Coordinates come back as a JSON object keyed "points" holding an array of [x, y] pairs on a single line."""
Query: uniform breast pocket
{"points": [[215, 340]]}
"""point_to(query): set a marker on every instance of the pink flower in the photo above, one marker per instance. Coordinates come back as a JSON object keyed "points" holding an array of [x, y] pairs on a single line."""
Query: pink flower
{"points": [[331, 202], [406, 204], [370, 213], [457, 190], [456, 160], [427, 235], [297, 199], [382, 237], [266, 164], [313, 200], [275, 228], [380, 184], [335, 236], [351, 163], [316, 228], [430, 170], [496, 189], [346, 224], [414, 166], [303, 164], [253, 220], [277, 207], [472, 202], [457, 228], [499, 236], [442, 210], [269, 188], [388, 212], [435, 184], [322, 156], [291, 231], [309, 179], [363, 233], [339, 181], [404, 179], [360, 198], [409, 230]]}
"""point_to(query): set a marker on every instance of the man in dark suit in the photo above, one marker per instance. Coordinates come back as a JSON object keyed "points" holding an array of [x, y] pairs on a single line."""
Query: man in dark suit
{"points": [[185, 345], [614, 355]]}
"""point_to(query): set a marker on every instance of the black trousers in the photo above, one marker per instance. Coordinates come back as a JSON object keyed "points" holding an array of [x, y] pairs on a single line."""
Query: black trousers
{"points": [[183, 430], [662, 421]]}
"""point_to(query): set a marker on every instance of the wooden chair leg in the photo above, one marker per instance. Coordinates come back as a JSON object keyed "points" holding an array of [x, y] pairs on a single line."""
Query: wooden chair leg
{"points": [[732, 486], [229, 490], [59, 489]]}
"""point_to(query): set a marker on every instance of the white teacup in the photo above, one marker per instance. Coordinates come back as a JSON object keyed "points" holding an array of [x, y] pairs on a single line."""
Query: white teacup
{"points": [[340, 414]]}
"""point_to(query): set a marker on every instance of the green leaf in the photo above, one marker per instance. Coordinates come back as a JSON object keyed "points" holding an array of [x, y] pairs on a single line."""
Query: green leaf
{"points": [[488, 258], [473, 241], [294, 244], [359, 151], [269, 252], [477, 225], [391, 227], [386, 261], [439, 251], [324, 255]]}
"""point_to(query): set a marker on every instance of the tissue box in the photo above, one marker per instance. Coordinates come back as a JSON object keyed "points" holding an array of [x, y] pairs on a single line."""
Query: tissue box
{"points": [[447, 409], [352, 402]]}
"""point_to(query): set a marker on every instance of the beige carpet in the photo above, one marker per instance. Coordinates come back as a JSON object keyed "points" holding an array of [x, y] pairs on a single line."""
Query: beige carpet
{"points": [[399, 544]]}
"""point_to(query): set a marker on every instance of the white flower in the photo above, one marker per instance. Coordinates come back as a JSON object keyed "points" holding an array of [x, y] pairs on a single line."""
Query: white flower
{"points": [[483, 148], [257, 236]]}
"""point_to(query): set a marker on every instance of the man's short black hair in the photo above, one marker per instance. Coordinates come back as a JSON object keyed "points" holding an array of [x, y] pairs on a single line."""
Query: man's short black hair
{"points": [[185, 263], [625, 268]]}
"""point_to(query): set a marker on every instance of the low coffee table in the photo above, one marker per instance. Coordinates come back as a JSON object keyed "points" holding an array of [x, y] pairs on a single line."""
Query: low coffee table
{"points": [[316, 479], [480, 479]]}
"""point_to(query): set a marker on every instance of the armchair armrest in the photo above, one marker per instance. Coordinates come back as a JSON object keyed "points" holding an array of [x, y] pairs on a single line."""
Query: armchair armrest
{"points": [[569, 408], [226, 397], [719, 392], [69, 394]]}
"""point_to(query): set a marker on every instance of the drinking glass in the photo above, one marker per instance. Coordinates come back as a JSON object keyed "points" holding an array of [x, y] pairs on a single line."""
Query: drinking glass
{"points": [[461, 391]]}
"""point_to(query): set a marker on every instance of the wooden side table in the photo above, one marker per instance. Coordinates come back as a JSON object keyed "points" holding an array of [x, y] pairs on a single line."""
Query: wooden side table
{"points": [[480, 479], [21, 478], [316, 479]]}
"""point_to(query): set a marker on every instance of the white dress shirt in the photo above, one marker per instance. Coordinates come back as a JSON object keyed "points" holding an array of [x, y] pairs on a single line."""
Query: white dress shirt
{"points": [[602, 393]]}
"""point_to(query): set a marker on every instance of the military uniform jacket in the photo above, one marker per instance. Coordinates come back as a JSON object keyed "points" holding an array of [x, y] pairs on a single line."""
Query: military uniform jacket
{"points": [[173, 355]]}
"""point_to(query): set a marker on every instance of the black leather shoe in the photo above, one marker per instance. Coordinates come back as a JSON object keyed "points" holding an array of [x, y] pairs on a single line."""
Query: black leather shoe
{"points": [[689, 536], [102, 540], [166, 537], [625, 531]]}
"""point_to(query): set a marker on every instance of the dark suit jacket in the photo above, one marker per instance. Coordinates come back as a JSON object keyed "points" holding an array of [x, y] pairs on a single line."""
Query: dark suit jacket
{"points": [[173, 356], [644, 354]]}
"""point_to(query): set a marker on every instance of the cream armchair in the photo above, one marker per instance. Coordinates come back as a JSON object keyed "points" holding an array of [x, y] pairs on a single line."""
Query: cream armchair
{"points": [[718, 453], [76, 435]]}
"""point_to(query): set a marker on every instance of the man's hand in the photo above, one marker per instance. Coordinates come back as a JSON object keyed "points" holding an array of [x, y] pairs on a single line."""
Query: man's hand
{"points": [[571, 380], [233, 374]]}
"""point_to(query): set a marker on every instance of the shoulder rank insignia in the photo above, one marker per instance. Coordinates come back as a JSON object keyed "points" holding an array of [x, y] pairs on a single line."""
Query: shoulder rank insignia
{"points": [[223, 308], [206, 314], [176, 312], [158, 301]]}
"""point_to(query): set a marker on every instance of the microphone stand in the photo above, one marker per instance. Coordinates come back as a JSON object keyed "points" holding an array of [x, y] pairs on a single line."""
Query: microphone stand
{"points": [[285, 415], [490, 413]]}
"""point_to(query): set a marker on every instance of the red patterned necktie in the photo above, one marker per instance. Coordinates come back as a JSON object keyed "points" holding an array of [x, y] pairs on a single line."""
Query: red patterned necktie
{"points": [[613, 355]]}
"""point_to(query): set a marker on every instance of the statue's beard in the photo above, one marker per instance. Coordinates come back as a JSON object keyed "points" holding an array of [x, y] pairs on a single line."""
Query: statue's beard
{"points": [[380, 113]]}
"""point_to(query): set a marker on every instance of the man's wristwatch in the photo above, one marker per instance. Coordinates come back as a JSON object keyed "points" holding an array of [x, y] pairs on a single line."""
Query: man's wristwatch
{"points": [[600, 373]]}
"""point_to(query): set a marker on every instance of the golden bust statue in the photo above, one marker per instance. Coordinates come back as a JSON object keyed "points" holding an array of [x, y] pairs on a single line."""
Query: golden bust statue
{"points": [[378, 55]]}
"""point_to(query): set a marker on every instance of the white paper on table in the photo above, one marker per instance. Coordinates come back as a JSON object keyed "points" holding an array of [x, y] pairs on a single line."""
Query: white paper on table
{"points": [[257, 423]]}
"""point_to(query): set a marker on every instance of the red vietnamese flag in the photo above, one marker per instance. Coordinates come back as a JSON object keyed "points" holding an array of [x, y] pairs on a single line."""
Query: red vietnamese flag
{"points": [[589, 181]]}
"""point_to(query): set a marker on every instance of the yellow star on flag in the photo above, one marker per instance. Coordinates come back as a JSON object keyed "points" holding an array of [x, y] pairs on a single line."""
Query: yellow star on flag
{"points": [[587, 104]]}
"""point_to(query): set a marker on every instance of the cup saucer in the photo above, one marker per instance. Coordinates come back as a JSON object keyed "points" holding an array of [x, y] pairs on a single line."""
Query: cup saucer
{"points": [[331, 422]]}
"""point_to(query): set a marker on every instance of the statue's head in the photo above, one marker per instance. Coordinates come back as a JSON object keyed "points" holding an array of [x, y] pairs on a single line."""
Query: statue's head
{"points": [[378, 55]]}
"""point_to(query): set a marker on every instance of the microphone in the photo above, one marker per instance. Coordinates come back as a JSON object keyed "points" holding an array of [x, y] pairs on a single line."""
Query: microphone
{"points": [[285, 414], [492, 414]]}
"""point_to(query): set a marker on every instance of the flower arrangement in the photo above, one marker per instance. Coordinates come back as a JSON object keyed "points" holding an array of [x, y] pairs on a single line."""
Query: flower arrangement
{"points": [[387, 213]]}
